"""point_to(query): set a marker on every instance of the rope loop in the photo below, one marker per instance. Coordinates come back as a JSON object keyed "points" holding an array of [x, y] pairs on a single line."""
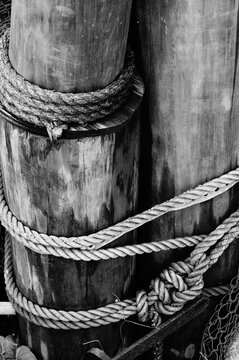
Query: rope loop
{"points": [[89, 247], [181, 282], [168, 293], [55, 110]]}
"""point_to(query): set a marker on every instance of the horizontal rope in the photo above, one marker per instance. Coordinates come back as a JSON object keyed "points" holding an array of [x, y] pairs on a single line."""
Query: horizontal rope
{"points": [[6, 308], [216, 290], [53, 109], [180, 283], [76, 247]]}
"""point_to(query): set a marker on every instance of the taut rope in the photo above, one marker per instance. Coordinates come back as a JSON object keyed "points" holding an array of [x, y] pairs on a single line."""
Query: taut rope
{"points": [[85, 247], [167, 294]]}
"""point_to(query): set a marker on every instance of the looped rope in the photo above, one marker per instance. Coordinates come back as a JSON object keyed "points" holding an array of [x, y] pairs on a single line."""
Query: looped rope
{"points": [[54, 110], [183, 281], [85, 247], [180, 283]]}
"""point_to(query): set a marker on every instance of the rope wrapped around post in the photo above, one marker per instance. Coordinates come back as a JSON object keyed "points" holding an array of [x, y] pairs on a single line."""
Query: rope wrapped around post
{"points": [[89, 247], [55, 110], [168, 293], [175, 286]]}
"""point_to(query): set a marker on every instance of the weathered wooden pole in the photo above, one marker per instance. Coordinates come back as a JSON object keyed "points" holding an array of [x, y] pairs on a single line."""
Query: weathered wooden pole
{"points": [[72, 186], [189, 56], [69, 45]]}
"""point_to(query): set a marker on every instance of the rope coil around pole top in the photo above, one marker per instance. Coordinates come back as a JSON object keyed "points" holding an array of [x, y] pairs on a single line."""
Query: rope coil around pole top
{"points": [[55, 110]]}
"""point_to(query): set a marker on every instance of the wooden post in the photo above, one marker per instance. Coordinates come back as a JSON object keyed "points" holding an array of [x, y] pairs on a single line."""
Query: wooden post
{"points": [[69, 45], [189, 55], [73, 186]]}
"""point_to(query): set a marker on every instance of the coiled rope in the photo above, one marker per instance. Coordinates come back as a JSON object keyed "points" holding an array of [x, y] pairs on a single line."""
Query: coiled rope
{"points": [[52, 109], [167, 294]]}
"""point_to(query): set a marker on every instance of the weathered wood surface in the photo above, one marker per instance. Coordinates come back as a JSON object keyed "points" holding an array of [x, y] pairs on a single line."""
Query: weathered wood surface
{"points": [[69, 45], [72, 187], [189, 65], [75, 186], [188, 56]]}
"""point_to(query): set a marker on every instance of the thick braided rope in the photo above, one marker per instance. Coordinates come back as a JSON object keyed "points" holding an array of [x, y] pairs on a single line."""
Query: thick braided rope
{"points": [[183, 281], [73, 247], [173, 277], [53, 109], [178, 284]]}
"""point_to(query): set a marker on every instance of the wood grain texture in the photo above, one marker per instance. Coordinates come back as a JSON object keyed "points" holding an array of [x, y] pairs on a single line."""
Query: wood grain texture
{"points": [[189, 54], [72, 187], [189, 64], [69, 45]]}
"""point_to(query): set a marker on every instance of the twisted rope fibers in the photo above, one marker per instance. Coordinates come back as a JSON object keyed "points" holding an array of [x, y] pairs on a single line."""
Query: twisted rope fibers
{"points": [[178, 284], [84, 247], [181, 282], [155, 318], [54, 110], [127, 307]]}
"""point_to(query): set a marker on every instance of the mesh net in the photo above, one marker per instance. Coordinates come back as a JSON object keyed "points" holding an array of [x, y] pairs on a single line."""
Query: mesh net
{"points": [[222, 326]]}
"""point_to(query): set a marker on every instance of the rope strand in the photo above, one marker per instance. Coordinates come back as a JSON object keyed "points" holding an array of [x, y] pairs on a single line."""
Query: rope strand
{"points": [[74, 247], [54, 110]]}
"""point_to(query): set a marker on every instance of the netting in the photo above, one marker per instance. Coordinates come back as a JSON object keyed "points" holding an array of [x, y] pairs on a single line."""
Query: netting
{"points": [[222, 326]]}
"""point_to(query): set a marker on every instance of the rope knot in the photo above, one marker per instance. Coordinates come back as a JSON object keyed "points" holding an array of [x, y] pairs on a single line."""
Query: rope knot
{"points": [[168, 293]]}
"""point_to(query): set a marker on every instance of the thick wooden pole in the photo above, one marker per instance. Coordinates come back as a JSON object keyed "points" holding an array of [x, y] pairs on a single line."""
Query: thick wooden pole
{"points": [[76, 186], [72, 187], [189, 56], [69, 45]]}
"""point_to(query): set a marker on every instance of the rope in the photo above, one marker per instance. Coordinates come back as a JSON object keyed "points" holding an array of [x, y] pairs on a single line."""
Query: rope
{"points": [[76, 247], [52, 109], [180, 283]]}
